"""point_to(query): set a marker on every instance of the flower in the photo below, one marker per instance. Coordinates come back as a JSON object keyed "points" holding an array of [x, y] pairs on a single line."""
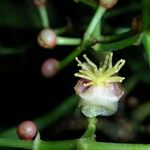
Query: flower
{"points": [[99, 88]]}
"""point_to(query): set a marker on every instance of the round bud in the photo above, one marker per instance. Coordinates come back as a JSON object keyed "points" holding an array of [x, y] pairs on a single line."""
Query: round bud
{"points": [[108, 4], [50, 67], [137, 24], [47, 39], [39, 3], [27, 130]]}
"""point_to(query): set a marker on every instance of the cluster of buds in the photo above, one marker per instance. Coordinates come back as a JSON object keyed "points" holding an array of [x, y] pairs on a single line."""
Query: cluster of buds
{"points": [[47, 38], [99, 88]]}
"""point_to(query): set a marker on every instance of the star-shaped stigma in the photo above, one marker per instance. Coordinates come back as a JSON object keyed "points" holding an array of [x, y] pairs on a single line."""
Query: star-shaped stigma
{"points": [[102, 75]]}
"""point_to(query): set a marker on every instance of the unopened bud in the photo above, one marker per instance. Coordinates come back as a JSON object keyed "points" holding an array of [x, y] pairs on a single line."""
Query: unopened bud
{"points": [[27, 130], [108, 4], [47, 38], [50, 67]]}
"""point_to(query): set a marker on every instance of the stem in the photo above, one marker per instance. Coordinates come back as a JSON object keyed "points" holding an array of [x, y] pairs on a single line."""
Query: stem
{"points": [[90, 131], [134, 40], [58, 145], [95, 20], [115, 37], [116, 146], [61, 30], [146, 43], [145, 14], [44, 16], [11, 51], [90, 3], [122, 10], [68, 41], [71, 145], [15, 143]]}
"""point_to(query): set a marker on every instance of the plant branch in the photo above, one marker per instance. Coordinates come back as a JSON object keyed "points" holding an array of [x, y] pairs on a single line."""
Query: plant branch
{"points": [[15, 143], [90, 131], [146, 43], [90, 3], [68, 41], [120, 44], [70, 145], [44, 16], [95, 20], [145, 14]]}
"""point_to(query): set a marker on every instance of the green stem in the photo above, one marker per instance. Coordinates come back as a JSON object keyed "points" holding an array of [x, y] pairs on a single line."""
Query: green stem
{"points": [[115, 37], [90, 3], [15, 143], [58, 145], [134, 40], [122, 10], [71, 145], [68, 41], [44, 16], [11, 51], [95, 20], [145, 14], [61, 30], [146, 43], [116, 146], [90, 131]]}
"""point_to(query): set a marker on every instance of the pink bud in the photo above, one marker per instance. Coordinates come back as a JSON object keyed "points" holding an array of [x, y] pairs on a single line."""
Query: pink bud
{"points": [[108, 4], [27, 130], [47, 38], [50, 67]]}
